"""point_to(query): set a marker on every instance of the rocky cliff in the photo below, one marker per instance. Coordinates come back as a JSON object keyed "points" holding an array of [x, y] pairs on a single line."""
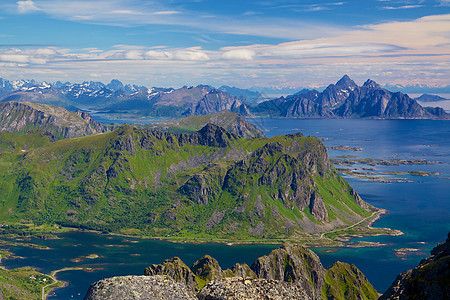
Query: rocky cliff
{"points": [[346, 99], [290, 272], [429, 280], [25, 116]]}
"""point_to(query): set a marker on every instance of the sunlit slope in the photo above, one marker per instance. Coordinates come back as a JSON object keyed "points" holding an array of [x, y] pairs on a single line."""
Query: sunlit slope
{"points": [[208, 184]]}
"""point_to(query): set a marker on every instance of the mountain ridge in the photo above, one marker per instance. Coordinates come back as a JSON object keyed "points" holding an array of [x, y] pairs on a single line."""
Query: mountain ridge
{"points": [[345, 99]]}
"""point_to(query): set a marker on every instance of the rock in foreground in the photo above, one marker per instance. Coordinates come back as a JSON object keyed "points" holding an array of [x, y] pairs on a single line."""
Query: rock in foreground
{"points": [[246, 288], [290, 272], [429, 280], [138, 287]]}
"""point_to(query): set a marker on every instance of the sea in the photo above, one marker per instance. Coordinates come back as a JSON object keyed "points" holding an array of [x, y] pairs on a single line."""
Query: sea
{"points": [[419, 206]]}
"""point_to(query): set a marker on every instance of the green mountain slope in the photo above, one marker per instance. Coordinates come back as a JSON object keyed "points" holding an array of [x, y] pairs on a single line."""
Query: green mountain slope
{"points": [[208, 184], [232, 122]]}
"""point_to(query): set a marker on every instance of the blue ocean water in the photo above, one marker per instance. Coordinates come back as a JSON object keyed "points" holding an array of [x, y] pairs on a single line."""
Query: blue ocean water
{"points": [[420, 209]]}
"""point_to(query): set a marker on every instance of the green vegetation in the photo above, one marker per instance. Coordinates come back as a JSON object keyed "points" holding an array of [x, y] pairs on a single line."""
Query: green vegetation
{"points": [[228, 120], [209, 185], [23, 283], [345, 281]]}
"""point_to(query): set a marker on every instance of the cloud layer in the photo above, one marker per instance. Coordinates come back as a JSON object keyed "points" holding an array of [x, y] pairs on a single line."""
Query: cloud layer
{"points": [[394, 52]]}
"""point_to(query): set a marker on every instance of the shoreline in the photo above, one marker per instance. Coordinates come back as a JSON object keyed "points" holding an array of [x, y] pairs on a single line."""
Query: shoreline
{"points": [[315, 240], [56, 281]]}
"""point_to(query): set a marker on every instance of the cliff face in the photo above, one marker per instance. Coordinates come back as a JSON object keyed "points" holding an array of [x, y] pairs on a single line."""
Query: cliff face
{"points": [[290, 272], [293, 264], [429, 280], [24, 116], [216, 101], [345, 99]]}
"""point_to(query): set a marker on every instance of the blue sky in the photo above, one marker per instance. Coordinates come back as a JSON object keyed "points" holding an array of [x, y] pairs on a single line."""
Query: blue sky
{"points": [[278, 43]]}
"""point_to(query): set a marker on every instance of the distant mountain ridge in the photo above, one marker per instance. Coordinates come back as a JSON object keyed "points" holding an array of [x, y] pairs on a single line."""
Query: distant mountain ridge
{"points": [[116, 97], [54, 120], [232, 122], [59, 123], [430, 98], [346, 99]]}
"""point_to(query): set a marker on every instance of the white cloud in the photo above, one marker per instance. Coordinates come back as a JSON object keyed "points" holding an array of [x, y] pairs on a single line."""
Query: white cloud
{"points": [[401, 7], [16, 58], [167, 12], [239, 54], [152, 54], [392, 51], [26, 6], [134, 54], [191, 55]]}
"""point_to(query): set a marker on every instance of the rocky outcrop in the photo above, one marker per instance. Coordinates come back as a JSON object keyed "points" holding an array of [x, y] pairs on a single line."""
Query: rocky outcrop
{"points": [[429, 280], [25, 116], [345, 99], [245, 288], [290, 272], [207, 268], [293, 264], [176, 269], [216, 101], [139, 287], [210, 135], [346, 281]]}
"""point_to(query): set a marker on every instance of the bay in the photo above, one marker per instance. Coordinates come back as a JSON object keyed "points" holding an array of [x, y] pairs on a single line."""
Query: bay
{"points": [[419, 208]]}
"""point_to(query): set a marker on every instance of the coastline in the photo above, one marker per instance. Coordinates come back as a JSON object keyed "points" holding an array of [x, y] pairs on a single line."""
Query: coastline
{"points": [[313, 240]]}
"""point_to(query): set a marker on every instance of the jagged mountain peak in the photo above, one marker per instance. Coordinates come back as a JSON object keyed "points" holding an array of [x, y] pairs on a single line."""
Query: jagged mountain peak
{"points": [[115, 85], [371, 84], [346, 82]]}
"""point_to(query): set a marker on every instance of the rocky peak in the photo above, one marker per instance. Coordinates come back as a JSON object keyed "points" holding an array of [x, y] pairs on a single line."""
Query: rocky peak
{"points": [[293, 263], [370, 84], [115, 85], [214, 136], [207, 268], [176, 269], [290, 272], [346, 83]]}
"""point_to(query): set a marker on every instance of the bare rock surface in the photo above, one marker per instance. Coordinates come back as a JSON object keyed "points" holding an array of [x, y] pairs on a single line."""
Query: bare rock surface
{"points": [[139, 287], [237, 288]]}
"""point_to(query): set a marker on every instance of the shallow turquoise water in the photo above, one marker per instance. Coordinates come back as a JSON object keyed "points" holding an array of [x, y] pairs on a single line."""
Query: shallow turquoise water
{"points": [[420, 209]]}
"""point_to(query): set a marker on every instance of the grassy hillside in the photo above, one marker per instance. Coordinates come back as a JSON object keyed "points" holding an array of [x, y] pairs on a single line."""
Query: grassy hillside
{"points": [[233, 122], [206, 185]]}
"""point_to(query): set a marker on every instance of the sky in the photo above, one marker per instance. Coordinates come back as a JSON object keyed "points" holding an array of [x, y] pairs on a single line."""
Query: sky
{"points": [[243, 43]]}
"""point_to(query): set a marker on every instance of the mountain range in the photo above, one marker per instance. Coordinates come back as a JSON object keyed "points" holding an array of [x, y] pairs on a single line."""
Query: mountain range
{"points": [[346, 99], [116, 97], [59, 123]]}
